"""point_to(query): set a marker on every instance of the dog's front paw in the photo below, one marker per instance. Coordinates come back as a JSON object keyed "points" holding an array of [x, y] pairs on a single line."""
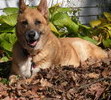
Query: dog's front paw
{"points": [[13, 79]]}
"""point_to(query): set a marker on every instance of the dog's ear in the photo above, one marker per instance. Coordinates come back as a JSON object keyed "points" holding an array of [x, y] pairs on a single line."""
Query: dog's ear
{"points": [[43, 8], [22, 6]]}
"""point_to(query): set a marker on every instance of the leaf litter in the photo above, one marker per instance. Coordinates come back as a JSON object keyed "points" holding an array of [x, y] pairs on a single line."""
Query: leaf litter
{"points": [[90, 81]]}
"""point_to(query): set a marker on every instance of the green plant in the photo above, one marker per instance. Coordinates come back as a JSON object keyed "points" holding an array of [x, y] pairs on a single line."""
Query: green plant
{"points": [[60, 18], [7, 33], [64, 23], [102, 29]]}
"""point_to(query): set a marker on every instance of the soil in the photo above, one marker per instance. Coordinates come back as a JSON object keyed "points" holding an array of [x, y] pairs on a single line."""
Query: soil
{"points": [[90, 81]]}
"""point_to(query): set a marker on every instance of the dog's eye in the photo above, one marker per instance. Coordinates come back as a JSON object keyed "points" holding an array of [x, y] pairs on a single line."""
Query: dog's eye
{"points": [[37, 22], [25, 22]]}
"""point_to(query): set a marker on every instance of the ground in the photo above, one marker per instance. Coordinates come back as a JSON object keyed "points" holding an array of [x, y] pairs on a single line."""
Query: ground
{"points": [[90, 81]]}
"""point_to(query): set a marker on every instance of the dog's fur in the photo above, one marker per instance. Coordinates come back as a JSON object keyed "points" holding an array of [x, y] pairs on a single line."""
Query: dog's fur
{"points": [[48, 50]]}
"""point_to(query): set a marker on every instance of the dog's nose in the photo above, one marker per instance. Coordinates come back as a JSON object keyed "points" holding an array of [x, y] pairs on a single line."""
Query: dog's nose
{"points": [[32, 35]]}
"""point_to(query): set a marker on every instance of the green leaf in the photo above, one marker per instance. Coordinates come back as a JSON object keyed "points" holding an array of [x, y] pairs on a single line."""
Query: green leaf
{"points": [[4, 81], [12, 38], [90, 39], [107, 15], [53, 28], [58, 10], [6, 45], [10, 19], [107, 43], [63, 20], [7, 28], [4, 59], [7, 41], [10, 10], [1, 21], [95, 23]]}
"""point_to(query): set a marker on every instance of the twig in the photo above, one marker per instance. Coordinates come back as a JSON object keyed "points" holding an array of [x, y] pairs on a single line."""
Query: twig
{"points": [[87, 85]]}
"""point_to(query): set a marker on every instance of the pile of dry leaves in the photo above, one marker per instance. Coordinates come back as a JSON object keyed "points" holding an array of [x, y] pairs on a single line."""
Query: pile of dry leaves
{"points": [[90, 81]]}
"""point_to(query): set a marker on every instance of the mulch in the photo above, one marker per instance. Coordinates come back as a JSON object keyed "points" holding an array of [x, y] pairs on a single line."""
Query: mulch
{"points": [[90, 81]]}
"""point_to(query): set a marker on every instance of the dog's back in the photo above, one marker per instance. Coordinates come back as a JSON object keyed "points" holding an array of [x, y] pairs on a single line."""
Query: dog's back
{"points": [[84, 49]]}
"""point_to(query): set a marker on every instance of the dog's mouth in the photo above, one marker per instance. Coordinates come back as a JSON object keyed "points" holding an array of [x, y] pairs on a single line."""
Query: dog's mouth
{"points": [[32, 43], [32, 38]]}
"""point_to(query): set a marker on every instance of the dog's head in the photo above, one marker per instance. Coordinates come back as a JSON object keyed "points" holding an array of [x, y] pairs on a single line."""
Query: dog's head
{"points": [[32, 25]]}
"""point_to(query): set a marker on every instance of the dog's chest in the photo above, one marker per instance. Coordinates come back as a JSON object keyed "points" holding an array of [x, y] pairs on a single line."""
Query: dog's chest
{"points": [[28, 68], [25, 67]]}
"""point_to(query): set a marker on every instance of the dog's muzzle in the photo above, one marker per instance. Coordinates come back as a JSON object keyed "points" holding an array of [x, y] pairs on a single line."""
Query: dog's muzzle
{"points": [[32, 37]]}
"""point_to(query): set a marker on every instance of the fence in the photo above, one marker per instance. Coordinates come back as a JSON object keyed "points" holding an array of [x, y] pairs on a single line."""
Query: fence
{"points": [[89, 9]]}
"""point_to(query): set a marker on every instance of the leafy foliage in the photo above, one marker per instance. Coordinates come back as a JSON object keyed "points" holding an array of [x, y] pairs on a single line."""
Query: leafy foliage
{"points": [[102, 29], [60, 18], [7, 33], [64, 23]]}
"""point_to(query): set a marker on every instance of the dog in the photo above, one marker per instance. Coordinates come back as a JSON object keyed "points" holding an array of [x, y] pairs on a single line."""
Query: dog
{"points": [[38, 48]]}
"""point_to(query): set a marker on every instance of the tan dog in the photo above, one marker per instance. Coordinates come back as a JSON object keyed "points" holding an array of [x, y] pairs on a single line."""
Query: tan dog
{"points": [[38, 48]]}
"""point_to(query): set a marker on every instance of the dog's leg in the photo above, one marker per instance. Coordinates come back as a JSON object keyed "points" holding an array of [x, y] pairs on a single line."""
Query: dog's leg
{"points": [[21, 62], [41, 64]]}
